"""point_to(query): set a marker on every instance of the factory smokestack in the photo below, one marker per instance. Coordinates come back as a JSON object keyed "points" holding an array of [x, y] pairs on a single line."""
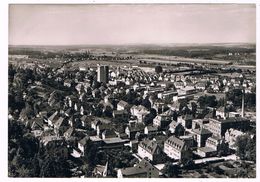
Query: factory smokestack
{"points": [[225, 104], [243, 103]]}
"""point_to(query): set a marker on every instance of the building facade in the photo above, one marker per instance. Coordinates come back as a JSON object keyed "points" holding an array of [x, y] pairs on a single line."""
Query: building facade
{"points": [[175, 148]]}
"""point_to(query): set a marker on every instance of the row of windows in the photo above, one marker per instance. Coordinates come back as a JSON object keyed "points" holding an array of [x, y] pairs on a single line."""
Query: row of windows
{"points": [[173, 144]]}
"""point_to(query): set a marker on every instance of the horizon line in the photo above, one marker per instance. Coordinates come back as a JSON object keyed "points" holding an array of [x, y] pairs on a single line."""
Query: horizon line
{"points": [[125, 44]]}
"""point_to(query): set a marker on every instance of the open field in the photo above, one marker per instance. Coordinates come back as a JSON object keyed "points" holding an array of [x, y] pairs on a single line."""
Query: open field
{"points": [[169, 57], [175, 60]]}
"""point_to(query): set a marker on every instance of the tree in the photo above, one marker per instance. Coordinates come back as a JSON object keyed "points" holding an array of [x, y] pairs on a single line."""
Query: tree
{"points": [[179, 130], [27, 111], [146, 103], [183, 103], [235, 96], [29, 144], [223, 149], [207, 101], [138, 136], [137, 100], [23, 149], [54, 167], [193, 108], [250, 100], [246, 147], [95, 84], [11, 72], [175, 115], [158, 69], [171, 170], [108, 111], [221, 102], [187, 159], [149, 117], [15, 130], [91, 153], [130, 97], [98, 111]]}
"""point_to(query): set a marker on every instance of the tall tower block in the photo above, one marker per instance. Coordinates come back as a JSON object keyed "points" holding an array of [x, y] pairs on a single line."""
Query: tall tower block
{"points": [[102, 73]]}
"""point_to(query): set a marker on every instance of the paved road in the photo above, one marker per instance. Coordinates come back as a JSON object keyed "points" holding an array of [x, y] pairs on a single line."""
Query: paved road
{"points": [[211, 159], [199, 161]]}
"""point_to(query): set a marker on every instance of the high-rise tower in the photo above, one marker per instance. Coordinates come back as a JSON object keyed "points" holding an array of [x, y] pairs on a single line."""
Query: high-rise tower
{"points": [[102, 73]]}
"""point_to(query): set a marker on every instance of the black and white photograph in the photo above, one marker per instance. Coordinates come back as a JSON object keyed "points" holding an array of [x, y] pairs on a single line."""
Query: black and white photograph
{"points": [[152, 90]]}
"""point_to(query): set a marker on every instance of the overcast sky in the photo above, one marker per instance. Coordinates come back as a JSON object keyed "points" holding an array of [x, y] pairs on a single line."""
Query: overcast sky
{"points": [[131, 24]]}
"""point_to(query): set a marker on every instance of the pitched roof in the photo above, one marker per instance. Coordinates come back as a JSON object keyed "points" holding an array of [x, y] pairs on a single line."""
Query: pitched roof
{"points": [[69, 132], [137, 127], [68, 111], [235, 132], [123, 103], [178, 83], [59, 122], [109, 132], [140, 108], [120, 112], [37, 122], [83, 118], [104, 126], [215, 138], [53, 116], [221, 109], [142, 167], [169, 112], [152, 128], [201, 84], [72, 97], [46, 139], [84, 140], [160, 139], [175, 143], [149, 145], [105, 104], [162, 117], [96, 122], [104, 120], [173, 124], [136, 170]]}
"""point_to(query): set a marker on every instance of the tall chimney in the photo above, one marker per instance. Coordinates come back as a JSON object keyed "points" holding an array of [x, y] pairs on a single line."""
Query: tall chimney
{"points": [[225, 106], [243, 103]]}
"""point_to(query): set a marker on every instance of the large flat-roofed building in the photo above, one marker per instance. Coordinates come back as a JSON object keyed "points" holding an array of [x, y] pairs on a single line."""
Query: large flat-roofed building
{"points": [[102, 73], [186, 91], [167, 95], [219, 126], [201, 135]]}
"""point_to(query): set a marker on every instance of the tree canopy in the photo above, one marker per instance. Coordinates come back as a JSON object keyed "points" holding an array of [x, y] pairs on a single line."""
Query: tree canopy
{"points": [[246, 147]]}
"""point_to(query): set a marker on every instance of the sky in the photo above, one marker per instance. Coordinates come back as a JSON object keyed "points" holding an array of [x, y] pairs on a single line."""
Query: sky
{"points": [[131, 24]]}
